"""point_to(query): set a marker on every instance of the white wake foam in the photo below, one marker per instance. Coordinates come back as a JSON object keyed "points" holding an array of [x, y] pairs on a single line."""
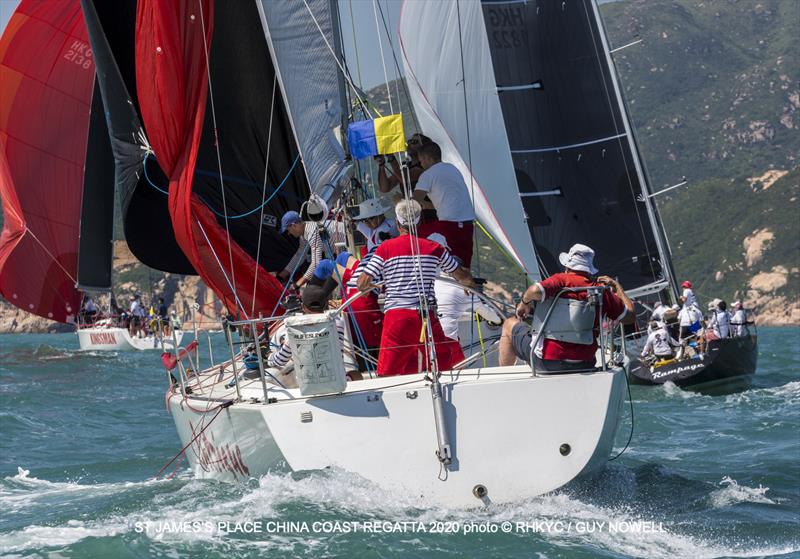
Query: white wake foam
{"points": [[732, 493]]}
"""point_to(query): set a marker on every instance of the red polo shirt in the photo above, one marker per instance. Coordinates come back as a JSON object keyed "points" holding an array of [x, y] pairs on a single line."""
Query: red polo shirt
{"points": [[613, 308]]}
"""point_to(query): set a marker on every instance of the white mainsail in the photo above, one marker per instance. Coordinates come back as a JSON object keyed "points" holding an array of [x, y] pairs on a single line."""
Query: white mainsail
{"points": [[472, 137], [300, 38]]}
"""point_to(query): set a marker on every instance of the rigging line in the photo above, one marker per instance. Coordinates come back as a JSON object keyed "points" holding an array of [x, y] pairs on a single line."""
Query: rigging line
{"points": [[50, 254], [222, 268], [383, 60], [264, 194], [619, 139], [217, 147], [236, 216], [396, 74], [397, 70], [466, 120], [333, 53], [355, 41]]}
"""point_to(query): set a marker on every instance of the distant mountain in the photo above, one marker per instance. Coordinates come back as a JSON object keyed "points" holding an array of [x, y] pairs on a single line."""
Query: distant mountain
{"points": [[713, 91], [713, 86]]}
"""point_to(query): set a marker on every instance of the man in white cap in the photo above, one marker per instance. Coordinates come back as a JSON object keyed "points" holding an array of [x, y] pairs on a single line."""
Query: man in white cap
{"points": [[372, 223], [569, 347], [407, 267]]}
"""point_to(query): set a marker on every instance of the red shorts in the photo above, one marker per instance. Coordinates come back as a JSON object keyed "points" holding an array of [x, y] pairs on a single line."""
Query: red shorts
{"points": [[401, 351], [458, 235], [369, 320]]}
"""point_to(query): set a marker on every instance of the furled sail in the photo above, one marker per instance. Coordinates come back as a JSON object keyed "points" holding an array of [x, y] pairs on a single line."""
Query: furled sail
{"points": [[301, 39], [145, 217], [218, 125], [451, 81], [576, 163], [53, 147]]}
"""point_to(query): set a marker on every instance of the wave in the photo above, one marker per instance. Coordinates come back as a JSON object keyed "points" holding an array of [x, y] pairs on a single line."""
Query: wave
{"points": [[732, 493], [338, 495]]}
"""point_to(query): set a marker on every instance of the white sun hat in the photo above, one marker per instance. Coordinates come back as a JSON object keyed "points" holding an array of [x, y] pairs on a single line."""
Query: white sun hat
{"points": [[580, 257], [370, 208]]}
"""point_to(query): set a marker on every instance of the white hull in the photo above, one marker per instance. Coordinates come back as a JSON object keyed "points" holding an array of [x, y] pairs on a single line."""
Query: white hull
{"points": [[118, 339], [508, 432]]}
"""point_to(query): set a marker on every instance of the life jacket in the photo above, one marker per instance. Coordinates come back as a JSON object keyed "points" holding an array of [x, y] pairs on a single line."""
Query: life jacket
{"points": [[572, 320]]}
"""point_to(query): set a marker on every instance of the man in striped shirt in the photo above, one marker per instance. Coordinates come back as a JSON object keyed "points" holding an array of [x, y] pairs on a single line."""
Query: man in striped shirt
{"points": [[308, 232], [408, 266]]}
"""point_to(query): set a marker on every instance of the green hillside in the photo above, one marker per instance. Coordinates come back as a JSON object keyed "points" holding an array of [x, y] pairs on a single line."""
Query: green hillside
{"points": [[713, 86]]}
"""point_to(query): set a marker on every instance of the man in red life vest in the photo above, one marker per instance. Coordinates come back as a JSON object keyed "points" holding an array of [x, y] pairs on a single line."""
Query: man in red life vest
{"points": [[569, 340], [408, 266]]}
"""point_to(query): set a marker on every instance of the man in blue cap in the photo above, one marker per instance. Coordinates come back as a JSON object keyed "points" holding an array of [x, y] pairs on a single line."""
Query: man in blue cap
{"points": [[293, 224]]}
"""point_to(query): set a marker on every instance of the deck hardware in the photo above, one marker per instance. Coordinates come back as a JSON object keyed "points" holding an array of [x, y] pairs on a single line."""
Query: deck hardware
{"points": [[412, 394], [306, 417], [565, 449], [373, 397]]}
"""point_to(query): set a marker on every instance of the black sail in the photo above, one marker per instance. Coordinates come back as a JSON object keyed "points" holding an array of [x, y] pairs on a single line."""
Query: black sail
{"points": [[95, 251], [238, 141], [145, 217], [573, 159]]}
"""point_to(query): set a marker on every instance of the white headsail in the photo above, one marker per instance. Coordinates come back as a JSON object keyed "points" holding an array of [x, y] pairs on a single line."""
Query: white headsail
{"points": [[300, 38], [469, 128]]}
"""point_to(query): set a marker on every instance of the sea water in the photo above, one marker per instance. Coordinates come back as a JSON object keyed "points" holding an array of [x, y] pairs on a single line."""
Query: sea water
{"points": [[82, 435]]}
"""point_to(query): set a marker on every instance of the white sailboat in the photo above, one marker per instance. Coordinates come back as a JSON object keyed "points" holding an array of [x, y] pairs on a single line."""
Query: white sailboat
{"points": [[106, 335], [474, 435]]}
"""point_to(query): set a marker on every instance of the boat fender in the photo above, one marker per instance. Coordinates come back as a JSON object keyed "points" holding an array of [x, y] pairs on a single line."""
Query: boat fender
{"points": [[572, 320]]}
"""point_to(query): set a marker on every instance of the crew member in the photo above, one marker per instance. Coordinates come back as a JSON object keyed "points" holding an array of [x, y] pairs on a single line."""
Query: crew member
{"points": [[659, 343], [739, 320], [569, 340], [138, 314], [452, 301], [89, 311], [407, 266], [445, 186], [315, 301], [366, 317], [689, 318], [308, 232], [372, 223], [687, 296], [719, 320], [394, 178]]}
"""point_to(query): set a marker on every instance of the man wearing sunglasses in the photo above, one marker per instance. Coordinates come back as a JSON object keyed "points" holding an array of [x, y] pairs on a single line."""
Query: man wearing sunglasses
{"points": [[394, 178]]}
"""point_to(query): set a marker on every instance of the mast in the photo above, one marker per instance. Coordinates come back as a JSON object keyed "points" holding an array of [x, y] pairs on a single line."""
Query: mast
{"points": [[652, 212]]}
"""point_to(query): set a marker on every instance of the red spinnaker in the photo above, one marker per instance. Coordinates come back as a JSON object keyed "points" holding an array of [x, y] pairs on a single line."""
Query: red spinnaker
{"points": [[172, 84], [46, 80]]}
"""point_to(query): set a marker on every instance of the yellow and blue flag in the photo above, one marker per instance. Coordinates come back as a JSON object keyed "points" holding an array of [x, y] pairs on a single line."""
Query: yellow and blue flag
{"points": [[383, 135]]}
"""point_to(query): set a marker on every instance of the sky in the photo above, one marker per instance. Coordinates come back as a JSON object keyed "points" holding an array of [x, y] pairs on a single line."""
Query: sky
{"points": [[361, 48]]}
